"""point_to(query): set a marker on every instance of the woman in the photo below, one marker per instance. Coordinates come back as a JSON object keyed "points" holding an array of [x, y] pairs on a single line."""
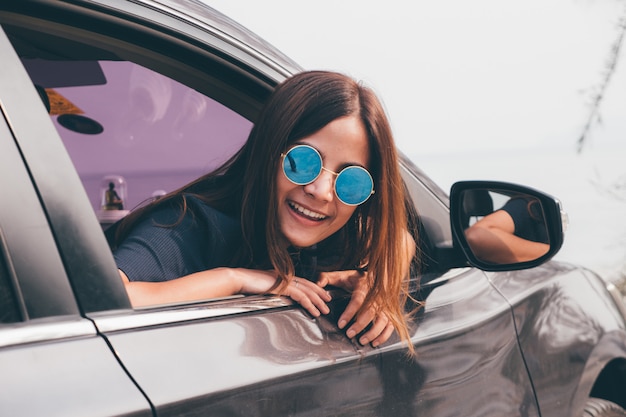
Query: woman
{"points": [[314, 198]]}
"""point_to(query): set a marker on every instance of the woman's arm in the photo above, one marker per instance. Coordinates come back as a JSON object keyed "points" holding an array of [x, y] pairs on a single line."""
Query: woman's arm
{"points": [[222, 282], [492, 239]]}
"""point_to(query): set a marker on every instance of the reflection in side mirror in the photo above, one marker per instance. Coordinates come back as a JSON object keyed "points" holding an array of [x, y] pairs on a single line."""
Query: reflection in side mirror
{"points": [[499, 224], [512, 229]]}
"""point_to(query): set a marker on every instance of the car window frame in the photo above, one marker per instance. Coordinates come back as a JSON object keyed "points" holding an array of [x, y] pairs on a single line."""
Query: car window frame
{"points": [[31, 254], [89, 265]]}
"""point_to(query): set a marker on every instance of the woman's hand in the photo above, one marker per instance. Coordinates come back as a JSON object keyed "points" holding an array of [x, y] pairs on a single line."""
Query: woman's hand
{"points": [[354, 282], [309, 295]]}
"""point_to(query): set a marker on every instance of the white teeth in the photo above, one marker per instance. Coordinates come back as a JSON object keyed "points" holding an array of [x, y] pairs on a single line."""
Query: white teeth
{"points": [[306, 212]]}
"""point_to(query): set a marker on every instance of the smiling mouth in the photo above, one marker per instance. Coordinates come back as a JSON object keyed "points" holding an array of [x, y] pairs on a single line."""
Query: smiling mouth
{"points": [[305, 212]]}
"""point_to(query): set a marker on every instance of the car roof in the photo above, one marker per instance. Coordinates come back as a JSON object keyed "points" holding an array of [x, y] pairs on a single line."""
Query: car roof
{"points": [[221, 26]]}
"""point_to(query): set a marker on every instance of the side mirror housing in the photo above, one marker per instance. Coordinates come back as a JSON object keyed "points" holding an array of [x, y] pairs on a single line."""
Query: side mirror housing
{"points": [[502, 226]]}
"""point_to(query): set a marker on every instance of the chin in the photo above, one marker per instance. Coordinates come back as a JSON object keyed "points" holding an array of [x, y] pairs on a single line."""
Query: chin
{"points": [[300, 243]]}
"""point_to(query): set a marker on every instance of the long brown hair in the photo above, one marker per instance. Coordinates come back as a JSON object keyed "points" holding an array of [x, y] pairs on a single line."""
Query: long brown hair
{"points": [[245, 186]]}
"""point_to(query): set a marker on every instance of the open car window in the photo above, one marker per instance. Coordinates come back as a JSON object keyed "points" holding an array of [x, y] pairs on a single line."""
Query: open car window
{"points": [[132, 133], [132, 118]]}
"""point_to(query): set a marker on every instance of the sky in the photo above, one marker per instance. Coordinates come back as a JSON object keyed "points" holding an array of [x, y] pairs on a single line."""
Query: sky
{"points": [[487, 89]]}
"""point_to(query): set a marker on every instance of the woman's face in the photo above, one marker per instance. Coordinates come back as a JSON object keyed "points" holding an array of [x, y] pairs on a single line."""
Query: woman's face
{"points": [[310, 213]]}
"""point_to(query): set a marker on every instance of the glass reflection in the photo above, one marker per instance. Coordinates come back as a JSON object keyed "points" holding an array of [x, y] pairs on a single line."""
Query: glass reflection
{"points": [[502, 228]]}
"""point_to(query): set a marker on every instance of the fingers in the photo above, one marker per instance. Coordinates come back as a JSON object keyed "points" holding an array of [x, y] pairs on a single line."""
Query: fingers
{"points": [[356, 301], [313, 298], [363, 319], [380, 329], [384, 336], [309, 295], [346, 279], [324, 279], [380, 332]]}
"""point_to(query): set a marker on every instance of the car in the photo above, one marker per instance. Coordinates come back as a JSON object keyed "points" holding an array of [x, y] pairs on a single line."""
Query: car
{"points": [[106, 104]]}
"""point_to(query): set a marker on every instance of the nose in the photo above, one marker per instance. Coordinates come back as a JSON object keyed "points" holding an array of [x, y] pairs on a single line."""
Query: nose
{"points": [[322, 188]]}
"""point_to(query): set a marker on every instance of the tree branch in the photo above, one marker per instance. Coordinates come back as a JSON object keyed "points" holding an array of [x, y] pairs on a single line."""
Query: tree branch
{"points": [[594, 114]]}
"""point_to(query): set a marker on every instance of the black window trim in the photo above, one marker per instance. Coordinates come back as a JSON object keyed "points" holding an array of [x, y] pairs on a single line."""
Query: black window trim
{"points": [[13, 288]]}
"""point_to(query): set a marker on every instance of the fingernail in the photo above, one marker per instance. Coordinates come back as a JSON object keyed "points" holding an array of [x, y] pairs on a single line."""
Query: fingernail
{"points": [[351, 333], [342, 324], [363, 341]]}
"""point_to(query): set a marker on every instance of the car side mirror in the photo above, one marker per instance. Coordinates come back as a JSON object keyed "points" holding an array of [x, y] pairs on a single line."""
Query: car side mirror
{"points": [[502, 226]]}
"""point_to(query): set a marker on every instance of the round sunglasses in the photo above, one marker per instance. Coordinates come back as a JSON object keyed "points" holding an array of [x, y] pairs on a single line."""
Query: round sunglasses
{"points": [[302, 164]]}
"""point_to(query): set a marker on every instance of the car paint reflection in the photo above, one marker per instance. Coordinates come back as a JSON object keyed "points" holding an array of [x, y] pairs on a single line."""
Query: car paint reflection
{"points": [[243, 350], [309, 372], [459, 362], [556, 335]]}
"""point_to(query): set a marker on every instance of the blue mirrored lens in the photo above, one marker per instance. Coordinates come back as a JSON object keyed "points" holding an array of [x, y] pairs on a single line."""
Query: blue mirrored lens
{"points": [[302, 165], [353, 185]]}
